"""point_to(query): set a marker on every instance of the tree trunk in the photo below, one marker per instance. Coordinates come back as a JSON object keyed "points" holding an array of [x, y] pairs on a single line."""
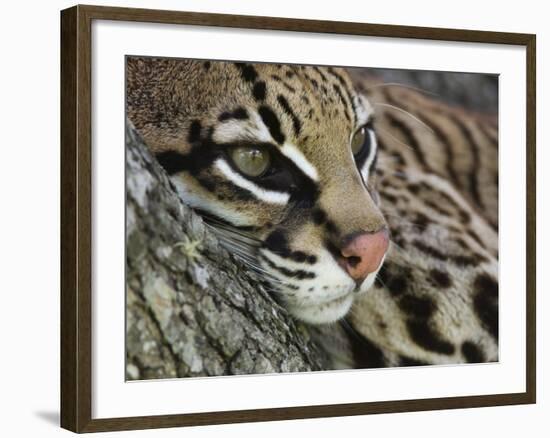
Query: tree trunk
{"points": [[192, 309]]}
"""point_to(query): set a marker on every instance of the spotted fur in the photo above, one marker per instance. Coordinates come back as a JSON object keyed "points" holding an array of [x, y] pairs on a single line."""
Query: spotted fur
{"points": [[429, 174]]}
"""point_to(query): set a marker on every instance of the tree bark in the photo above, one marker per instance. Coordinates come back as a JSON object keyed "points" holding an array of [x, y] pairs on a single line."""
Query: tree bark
{"points": [[192, 309]]}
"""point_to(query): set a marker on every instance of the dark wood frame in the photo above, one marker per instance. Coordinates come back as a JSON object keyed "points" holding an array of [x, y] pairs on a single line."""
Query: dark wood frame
{"points": [[76, 238]]}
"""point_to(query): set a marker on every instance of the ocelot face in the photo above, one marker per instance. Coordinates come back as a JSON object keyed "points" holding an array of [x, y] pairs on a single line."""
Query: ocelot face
{"points": [[279, 160]]}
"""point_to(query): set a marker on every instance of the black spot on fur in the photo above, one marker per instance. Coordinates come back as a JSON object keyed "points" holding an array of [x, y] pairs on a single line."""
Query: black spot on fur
{"points": [[472, 353], [331, 227], [194, 131], [259, 90], [248, 72], [206, 65], [423, 334], [440, 278], [365, 353], [413, 188], [319, 216], [463, 260], [395, 278], [486, 302], [405, 361], [277, 243], [417, 307], [302, 257], [465, 217], [299, 256], [418, 312], [422, 221], [272, 123], [429, 250], [388, 197]]}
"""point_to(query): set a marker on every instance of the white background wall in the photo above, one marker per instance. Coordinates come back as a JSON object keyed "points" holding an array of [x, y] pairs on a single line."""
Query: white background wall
{"points": [[29, 219]]}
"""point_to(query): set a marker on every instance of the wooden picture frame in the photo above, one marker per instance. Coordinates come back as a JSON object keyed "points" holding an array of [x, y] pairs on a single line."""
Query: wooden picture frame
{"points": [[76, 218]]}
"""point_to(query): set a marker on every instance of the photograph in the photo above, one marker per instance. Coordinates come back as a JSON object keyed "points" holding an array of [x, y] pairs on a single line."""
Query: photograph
{"points": [[252, 219], [285, 218]]}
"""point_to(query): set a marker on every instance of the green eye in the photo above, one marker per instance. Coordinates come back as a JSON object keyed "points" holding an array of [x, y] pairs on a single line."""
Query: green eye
{"points": [[252, 161], [358, 140]]}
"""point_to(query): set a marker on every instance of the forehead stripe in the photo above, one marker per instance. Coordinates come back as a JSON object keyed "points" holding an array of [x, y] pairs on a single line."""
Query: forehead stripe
{"points": [[272, 122], [346, 89], [296, 124], [269, 196], [344, 103], [319, 71]]}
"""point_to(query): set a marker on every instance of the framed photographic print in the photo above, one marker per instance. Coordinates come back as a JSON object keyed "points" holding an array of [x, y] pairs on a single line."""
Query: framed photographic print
{"points": [[267, 218]]}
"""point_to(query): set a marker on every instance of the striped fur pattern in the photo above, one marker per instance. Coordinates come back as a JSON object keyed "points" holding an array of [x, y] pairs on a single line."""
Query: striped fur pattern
{"points": [[426, 171]]}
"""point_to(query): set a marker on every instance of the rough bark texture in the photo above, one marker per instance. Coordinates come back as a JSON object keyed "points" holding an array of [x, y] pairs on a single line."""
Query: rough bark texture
{"points": [[192, 309]]}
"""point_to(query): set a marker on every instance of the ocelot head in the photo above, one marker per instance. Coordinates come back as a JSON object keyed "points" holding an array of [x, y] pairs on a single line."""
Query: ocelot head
{"points": [[279, 160]]}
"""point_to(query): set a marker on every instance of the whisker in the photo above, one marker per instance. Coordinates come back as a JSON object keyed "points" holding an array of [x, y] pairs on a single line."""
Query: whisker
{"points": [[410, 87], [234, 234], [388, 105], [394, 138]]}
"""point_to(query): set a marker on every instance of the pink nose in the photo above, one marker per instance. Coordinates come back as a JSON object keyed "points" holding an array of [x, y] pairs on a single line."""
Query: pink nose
{"points": [[364, 254]]}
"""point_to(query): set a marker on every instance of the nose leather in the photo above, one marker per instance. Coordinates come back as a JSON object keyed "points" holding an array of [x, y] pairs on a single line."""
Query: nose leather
{"points": [[364, 253]]}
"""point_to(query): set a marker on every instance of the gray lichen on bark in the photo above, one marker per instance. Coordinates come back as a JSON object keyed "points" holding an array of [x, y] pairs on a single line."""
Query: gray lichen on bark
{"points": [[192, 309]]}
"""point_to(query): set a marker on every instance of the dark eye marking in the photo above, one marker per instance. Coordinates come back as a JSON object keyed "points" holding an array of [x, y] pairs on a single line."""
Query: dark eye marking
{"points": [[366, 148], [172, 162], [239, 114], [272, 122], [281, 176], [259, 90], [202, 154], [194, 131]]}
